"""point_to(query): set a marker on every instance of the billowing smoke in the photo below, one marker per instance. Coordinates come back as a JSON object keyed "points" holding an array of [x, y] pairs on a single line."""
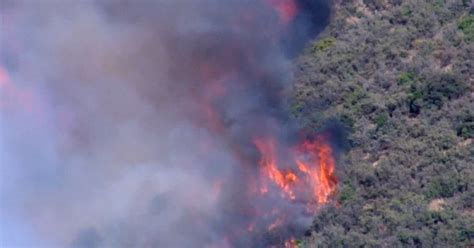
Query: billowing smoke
{"points": [[152, 123]]}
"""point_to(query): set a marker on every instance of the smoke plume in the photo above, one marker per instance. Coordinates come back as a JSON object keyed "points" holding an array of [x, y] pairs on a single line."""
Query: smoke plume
{"points": [[155, 123]]}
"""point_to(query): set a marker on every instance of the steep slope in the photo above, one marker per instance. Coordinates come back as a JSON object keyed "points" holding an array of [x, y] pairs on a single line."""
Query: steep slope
{"points": [[400, 76]]}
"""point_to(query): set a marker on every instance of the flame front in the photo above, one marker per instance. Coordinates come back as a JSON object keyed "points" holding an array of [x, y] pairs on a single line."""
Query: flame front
{"points": [[311, 166], [269, 168], [319, 168]]}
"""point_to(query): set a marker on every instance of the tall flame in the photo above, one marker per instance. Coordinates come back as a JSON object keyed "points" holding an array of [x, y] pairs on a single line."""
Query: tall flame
{"points": [[319, 168], [311, 166], [269, 167]]}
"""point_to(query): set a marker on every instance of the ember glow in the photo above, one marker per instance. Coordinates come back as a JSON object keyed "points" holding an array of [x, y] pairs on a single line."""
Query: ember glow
{"points": [[287, 9], [166, 125]]}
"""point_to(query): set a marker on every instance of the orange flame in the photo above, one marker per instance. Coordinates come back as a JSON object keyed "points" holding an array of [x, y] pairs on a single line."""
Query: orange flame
{"points": [[270, 169], [313, 159], [322, 177]]}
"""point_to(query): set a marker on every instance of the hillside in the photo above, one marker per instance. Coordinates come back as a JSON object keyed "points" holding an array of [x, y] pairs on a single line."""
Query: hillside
{"points": [[399, 75]]}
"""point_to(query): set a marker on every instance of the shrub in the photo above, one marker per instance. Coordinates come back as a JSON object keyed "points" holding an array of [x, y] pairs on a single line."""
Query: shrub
{"points": [[467, 200], [347, 192], [465, 125], [406, 77], [466, 233], [443, 186], [415, 100], [443, 87], [434, 92], [324, 44], [296, 108], [466, 25], [356, 95], [381, 119]]}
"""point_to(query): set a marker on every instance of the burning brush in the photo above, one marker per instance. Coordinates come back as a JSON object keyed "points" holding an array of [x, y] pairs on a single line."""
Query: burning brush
{"points": [[157, 124]]}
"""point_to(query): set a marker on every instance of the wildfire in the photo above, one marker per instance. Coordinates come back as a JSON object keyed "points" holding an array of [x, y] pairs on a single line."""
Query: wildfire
{"points": [[287, 9], [232, 69], [269, 166], [312, 166], [292, 243]]}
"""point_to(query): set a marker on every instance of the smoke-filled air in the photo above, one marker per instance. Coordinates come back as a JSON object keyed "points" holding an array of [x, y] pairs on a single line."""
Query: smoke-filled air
{"points": [[157, 124]]}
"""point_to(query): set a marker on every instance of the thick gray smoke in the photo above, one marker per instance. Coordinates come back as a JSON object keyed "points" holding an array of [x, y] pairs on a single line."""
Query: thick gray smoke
{"points": [[130, 123]]}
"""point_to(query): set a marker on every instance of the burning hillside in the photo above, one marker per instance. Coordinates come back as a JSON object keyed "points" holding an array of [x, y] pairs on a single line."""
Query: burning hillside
{"points": [[157, 124]]}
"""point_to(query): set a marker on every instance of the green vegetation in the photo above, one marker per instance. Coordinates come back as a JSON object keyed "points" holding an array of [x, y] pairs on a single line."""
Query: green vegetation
{"points": [[400, 76], [466, 25], [324, 44], [347, 192], [406, 77], [465, 125]]}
